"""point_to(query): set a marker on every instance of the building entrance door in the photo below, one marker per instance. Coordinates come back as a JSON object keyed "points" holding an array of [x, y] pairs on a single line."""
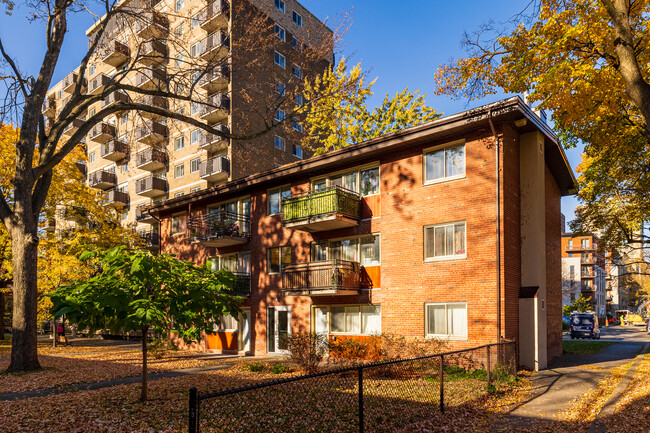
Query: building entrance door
{"points": [[278, 329]]}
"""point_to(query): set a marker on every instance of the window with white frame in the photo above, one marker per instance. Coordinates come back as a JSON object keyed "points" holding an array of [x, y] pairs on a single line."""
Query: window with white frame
{"points": [[178, 224], [446, 320], [297, 150], [445, 163], [279, 59], [195, 21], [179, 143], [296, 44], [179, 171], [296, 125], [278, 142], [279, 115], [195, 107], [91, 157], [124, 167], [93, 69], [179, 60], [179, 5], [298, 100], [195, 136], [355, 319], [279, 32], [442, 241], [364, 181], [278, 258], [179, 194], [226, 324], [275, 197], [194, 165], [195, 189], [296, 71], [366, 250], [180, 30], [195, 49], [280, 88], [279, 4], [297, 18]]}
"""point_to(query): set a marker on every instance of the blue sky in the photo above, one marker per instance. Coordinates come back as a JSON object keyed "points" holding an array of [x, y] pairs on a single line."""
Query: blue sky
{"points": [[401, 43]]}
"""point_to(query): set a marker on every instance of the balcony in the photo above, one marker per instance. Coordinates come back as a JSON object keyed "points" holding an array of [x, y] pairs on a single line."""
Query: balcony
{"points": [[73, 126], [49, 107], [151, 79], [333, 277], [152, 52], [116, 54], [81, 166], [215, 79], [69, 83], [143, 217], [114, 150], [215, 46], [151, 133], [73, 213], [323, 209], [241, 285], [151, 186], [212, 142], [214, 16], [219, 229], [114, 98], [116, 196], [151, 239], [151, 25], [102, 179], [97, 84], [153, 101], [588, 276], [151, 160], [215, 108], [101, 133], [588, 260], [215, 169]]}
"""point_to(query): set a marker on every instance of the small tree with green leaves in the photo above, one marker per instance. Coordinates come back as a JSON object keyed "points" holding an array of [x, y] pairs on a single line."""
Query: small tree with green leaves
{"points": [[136, 290], [580, 304]]}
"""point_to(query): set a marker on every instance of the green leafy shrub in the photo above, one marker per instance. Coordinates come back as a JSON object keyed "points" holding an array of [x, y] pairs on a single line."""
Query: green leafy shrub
{"points": [[255, 367], [279, 368]]}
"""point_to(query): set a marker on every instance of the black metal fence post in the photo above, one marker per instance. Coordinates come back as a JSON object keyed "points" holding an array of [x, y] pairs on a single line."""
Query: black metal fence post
{"points": [[442, 384], [194, 403], [360, 370]]}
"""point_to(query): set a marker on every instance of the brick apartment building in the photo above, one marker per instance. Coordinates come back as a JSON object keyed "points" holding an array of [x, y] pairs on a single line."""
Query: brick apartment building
{"points": [[395, 235], [140, 158]]}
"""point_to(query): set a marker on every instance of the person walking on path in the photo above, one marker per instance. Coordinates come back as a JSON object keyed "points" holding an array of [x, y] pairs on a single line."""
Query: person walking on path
{"points": [[60, 331]]}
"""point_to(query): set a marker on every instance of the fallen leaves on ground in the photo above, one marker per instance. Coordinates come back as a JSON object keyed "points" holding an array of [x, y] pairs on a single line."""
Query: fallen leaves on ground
{"points": [[632, 413]]}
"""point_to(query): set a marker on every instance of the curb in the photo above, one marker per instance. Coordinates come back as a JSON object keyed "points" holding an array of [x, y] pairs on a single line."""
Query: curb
{"points": [[598, 426]]}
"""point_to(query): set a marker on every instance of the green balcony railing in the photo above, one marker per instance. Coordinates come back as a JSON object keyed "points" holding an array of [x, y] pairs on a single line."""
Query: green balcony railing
{"points": [[320, 203]]}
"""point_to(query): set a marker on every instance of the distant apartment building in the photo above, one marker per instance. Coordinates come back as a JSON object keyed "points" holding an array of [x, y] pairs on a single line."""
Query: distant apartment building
{"points": [[393, 235], [140, 158], [584, 271]]}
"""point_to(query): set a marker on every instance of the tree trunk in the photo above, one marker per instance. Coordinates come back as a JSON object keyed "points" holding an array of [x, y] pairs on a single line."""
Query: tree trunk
{"points": [[143, 394], [54, 333], [24, 247], [2, 316]]}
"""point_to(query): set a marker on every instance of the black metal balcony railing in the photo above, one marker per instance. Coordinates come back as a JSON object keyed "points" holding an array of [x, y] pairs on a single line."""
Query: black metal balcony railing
{"points": [[102, 178], [98, 83], [213, 141], [151, 78], [320, 203], [116, 196], [150, 159], [214, 15], [233, 228], [102, 132], [153, 51], [215, 77], [114, 98], [213, 44], [116, 53], [72, 127], [151, 239], [49, 107], [153, 101], [114, 150], [150, 186], [241, 285], [68, 84], [328, 277], [151, 132], [73, 213], [215, 168], [151, 24], [212, 106]]}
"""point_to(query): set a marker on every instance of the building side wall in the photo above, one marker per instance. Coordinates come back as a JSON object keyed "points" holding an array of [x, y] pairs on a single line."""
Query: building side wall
{"points": [[553, 267]]}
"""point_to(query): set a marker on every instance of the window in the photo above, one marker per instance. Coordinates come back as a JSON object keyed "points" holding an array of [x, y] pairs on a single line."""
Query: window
{"points": [[364, 181], [365, 250], [195, 107], [124, 119], [125, 214], [275, 197], [279, 115], [179, 143], [179, 171], [93, 68], [584, 243], [179, 194], [280, 88], [448, 320], [297, 151], [369, 246], [178, 224], [279, 32], [319, 251], [194, 165], [570, 244], [355, 319], [226, 323], [296, 71], [295, 44], [447, 163], [370, 181], [195, 49], [195, 189], [91, 157], [298, 100], [195, 136], [297, 18], [179, 5], [178, 61], [279, 4], [91, 112], [279, 59], [445, 241], [278, 142], [295, 124], [278, 258], [195, 21], [124, 167], [180, 30]]}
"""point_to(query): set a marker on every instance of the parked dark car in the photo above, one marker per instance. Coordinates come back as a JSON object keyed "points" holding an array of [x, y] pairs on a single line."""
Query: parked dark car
{"points": [[584, 325]]}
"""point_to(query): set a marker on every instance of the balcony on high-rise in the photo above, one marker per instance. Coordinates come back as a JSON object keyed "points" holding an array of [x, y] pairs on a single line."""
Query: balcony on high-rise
{"points": [[49, 107], [114, 98], [151, 79], [153, 52], [155, 101], [73, 126], [116, 196], [151, 133], [116, 54], [215, 169], [333, 277], [114, 150], [219, 229], [151, 159], [215, 46], [69, 83], [322, 209], [215, 16], [213, 142], [98, 83], [102, 179], [151, 24], [143, 217], [102, 132], [215, 108], [215, 79], [151, 186]]}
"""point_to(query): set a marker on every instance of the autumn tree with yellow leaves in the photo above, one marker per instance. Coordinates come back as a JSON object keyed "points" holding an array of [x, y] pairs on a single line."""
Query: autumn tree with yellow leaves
{"points": [[587, 62]]}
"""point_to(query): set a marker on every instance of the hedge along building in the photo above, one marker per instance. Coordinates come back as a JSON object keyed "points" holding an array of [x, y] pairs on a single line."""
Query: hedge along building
{"points": [[396, 235]]}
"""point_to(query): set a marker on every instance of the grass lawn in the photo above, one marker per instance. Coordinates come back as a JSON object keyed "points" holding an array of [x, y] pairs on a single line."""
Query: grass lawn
{"points": [[577, 347]]}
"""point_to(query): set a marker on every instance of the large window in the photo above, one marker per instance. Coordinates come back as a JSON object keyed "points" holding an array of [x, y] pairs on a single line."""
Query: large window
{"points": [[445, 241], [279, 32], [179, 171], [364, 181], [355, 319], [179, 143], [236, 263], [178, 224], [280, 5], [446, 320], [446, 163], [297, 18], [365, 250], [278, 258], [279, 60], [275, 197]]}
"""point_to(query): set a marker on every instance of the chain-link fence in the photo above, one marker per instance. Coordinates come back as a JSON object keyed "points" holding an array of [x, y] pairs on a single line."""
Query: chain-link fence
{"points": [[377, 397]]}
